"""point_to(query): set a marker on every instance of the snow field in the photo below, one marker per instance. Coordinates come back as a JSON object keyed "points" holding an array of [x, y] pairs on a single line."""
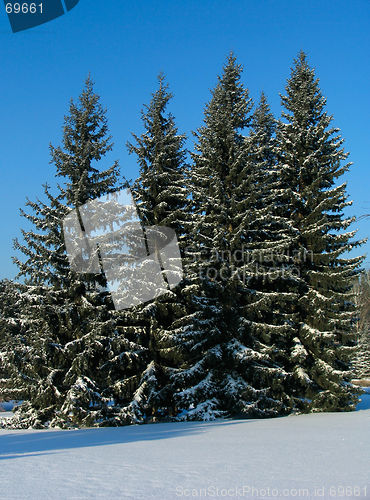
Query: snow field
{"points": [[304, 456]]}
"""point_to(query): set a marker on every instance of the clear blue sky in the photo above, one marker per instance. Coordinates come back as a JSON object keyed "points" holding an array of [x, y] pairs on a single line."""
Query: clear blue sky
{"points": [[125, 44]]}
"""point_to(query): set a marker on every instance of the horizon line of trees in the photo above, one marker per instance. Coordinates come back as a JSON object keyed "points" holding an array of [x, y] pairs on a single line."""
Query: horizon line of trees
{"points": [[265, 320]]}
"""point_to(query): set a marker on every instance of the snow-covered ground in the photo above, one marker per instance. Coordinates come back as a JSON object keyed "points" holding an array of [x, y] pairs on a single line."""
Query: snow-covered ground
{"points": [[303, 456]]}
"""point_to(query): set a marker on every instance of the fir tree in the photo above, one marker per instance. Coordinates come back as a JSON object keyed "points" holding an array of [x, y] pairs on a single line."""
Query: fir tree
{"points": [[310, 155], [227, 363], [72, 348], [160, 194]]}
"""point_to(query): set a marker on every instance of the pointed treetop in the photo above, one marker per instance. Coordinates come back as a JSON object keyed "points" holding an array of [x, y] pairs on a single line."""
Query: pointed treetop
{"points": [[160, 134], [262, 118], [85, 141], [153, 116], [230, 101], [304, 98], [85, 132]]}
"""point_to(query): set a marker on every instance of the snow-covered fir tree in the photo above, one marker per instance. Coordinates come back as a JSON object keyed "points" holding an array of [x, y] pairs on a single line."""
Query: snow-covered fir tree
{"points": [[310, 156], [72, 347], [160, 194], [228, 358]]}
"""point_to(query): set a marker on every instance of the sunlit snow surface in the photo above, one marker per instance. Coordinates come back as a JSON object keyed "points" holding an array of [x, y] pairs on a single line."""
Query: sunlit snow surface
{"points": [[303, 456]]}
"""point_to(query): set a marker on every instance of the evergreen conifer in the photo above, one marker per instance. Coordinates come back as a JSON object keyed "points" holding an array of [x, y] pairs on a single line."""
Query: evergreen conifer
{"points": [[228, 357], [309, 154], [71, 349], [160, 194]]}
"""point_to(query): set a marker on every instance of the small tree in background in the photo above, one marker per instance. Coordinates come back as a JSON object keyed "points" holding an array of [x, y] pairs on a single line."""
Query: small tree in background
{"points": [[361, 358]]}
